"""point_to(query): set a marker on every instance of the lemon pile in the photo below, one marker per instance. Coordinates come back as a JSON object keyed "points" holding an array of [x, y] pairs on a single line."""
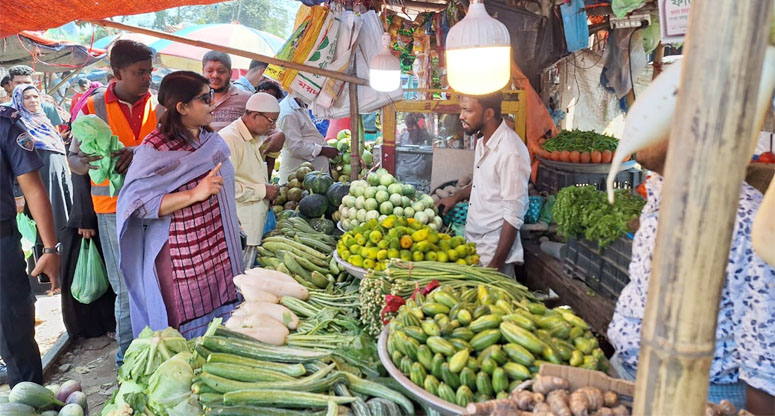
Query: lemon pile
{"points": [[372, 243]]}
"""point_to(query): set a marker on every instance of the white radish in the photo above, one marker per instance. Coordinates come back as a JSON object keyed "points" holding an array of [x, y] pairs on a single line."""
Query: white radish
{"points": [[648, 120], [276, 287], [269, 274], [253, 294], [763, 229], [273, 310], [260, 327]]}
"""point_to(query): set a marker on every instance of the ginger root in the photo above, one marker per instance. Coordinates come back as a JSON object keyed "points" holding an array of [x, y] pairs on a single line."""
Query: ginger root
{"points": [[542, 409], [500, 407], [604, 411], [545, 384], [727, 407], [610, 399], [620, 411], [526, 400], [586, 399], [558, 402]]}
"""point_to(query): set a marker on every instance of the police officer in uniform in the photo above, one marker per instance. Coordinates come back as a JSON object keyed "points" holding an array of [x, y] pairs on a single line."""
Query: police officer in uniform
{"points": [[19, 161]]}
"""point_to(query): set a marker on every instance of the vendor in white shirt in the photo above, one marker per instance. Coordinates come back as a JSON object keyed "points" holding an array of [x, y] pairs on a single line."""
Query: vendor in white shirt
{"points": [[498, 195]]}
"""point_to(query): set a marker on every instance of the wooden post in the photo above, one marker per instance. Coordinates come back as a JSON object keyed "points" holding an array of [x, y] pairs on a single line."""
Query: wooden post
{"points": [[711, 135], [355, 132], [239, 52], [659, 54]]}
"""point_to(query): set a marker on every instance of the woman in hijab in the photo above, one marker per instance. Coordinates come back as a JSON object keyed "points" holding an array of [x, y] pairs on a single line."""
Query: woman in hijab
{"points": [[51, 149], [179, 245]]}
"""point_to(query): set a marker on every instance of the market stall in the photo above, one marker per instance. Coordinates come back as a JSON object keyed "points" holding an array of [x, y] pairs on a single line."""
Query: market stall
{"points": [[367, 300]]}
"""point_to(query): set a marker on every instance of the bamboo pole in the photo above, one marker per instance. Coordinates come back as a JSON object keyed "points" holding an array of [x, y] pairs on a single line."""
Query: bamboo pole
{"points": [[355, 132], [239, 52], [711, 134]]}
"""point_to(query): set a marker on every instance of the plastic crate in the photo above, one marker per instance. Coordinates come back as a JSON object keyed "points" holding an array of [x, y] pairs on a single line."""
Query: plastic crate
{"points": [[604, 270], [552, 180]]}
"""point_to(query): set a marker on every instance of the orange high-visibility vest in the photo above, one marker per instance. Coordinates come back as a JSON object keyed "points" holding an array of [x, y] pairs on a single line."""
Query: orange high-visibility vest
{"points": [[111, 113]]}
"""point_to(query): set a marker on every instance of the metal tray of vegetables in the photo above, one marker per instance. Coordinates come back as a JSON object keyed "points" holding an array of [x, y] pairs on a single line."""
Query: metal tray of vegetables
{"points": [[444, 407]]}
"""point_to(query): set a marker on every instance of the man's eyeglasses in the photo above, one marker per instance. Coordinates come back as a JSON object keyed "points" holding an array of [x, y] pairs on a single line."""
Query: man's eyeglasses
{"points": [[207, 97], [270, 120]]}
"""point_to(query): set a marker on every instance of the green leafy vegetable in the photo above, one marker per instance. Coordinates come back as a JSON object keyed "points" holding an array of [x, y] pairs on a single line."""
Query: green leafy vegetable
{"points": [[148, 351], [169, 389], [582, 141], [585, 211]]}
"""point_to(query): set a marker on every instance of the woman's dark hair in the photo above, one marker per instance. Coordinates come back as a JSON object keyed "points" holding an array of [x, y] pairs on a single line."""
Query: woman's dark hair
{"points": [[126, 52], [178, 87]]}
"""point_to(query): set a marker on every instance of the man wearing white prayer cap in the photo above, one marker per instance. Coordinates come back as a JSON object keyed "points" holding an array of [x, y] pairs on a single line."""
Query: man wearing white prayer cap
{"points": [[250, 138]]}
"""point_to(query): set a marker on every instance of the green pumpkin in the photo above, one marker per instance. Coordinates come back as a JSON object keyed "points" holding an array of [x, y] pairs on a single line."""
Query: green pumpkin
{"points": [[313, 206], [322, 225], [317, 182], [336, 192]]}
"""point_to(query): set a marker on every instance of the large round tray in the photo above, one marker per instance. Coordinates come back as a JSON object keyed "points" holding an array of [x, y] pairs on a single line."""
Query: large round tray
{"points": [[444, 407], [585, 167], [358, 272]]}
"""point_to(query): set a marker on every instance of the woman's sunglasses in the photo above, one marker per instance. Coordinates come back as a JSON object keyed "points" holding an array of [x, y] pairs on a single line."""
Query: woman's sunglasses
{"points": [[207, 97]]}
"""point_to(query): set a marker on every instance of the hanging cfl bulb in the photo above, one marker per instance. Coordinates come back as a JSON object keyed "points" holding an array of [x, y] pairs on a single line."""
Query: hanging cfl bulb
{"points": [[478, 53], [384, 68]]}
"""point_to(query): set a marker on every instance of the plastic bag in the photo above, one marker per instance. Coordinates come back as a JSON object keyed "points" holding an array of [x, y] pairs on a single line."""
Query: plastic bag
{"points": [[27, 229], [96, 138], [90, 281], [270, 223], [546, 212]]}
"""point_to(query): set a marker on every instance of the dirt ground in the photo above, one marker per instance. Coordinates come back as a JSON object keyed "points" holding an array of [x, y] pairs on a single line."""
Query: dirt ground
{"points": [[92, 362]]}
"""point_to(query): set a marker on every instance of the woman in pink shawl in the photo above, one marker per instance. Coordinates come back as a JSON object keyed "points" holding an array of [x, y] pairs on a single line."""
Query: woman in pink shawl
{"points": [[177, 218]]}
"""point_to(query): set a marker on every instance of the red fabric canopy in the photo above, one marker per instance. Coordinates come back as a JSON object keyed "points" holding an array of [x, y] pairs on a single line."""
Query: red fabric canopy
{"points": [[20, 15]]}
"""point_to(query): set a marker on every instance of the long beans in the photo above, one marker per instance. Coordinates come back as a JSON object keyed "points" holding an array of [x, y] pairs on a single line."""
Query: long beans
{"points": [[400, 278]]}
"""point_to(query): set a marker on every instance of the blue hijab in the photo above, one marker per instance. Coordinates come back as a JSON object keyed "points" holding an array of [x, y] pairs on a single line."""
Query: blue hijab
{"points": [[45, 135]]}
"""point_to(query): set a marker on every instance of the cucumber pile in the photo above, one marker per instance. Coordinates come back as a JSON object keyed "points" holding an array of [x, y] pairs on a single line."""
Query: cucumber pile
{"points": [[297, 250], [473, 344], [240, 376]]}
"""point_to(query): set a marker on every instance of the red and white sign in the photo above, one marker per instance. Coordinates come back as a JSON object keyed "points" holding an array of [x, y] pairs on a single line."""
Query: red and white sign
{"points": [[673, 19]]}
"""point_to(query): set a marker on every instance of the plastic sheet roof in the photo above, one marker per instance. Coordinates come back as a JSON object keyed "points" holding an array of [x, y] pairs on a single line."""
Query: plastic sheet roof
{"points": [[46, 55], [20, 15]]}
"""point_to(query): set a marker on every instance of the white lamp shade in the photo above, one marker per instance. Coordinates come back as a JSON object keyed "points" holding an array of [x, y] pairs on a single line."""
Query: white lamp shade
{"points": [[384, 69], [478, 53]]}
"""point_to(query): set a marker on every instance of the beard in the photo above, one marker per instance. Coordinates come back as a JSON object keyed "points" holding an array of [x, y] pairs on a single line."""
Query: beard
{"points": [[471, 129], [223, 89]]}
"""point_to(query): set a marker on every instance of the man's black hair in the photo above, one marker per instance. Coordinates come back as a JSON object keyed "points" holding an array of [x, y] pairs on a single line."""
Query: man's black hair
{"points": [[20, 70], [126, 52], [274, 87], [216, 56], [6, 80], [492, 100], [257, 64], [83, 82]]}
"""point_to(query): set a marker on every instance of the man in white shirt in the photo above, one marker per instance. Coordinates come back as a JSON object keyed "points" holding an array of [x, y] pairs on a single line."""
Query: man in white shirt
{"points": [[498, 195], [250, 138], [303, 142]]}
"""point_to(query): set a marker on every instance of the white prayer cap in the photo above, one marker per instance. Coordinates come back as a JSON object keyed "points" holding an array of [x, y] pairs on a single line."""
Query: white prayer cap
{"points": [[263, 102]]}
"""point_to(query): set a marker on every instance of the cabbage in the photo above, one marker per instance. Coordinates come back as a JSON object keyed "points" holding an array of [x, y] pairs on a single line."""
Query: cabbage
{"points": [[146, 353], [169, 389]]}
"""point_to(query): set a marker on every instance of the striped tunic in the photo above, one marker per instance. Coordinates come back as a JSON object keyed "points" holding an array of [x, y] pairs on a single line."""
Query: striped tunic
{"points": [[194, 268]]}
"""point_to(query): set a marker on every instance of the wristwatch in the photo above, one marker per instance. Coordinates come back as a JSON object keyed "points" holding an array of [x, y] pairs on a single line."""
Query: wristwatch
{"points": [[57, 249]]}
